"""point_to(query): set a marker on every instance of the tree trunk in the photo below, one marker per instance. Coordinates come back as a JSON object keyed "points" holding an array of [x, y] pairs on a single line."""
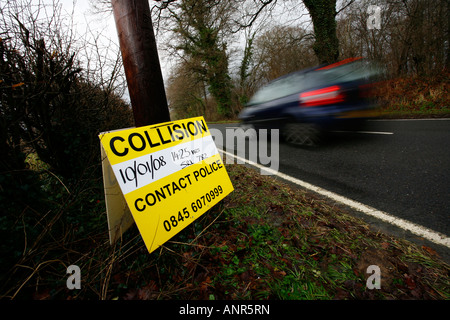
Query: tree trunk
{"points": [[323, 15]]}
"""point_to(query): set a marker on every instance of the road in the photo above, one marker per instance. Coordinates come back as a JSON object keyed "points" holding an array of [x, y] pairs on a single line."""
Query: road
{"points": [[401, 167]]}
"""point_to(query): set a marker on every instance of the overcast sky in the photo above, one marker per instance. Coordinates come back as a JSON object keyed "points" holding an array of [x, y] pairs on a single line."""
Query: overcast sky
{"points": [[87, 22], [88, 25], [104, 24]]}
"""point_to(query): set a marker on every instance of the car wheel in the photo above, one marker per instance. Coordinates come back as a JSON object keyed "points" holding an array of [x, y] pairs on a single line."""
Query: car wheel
{"points": [[302, 134]]}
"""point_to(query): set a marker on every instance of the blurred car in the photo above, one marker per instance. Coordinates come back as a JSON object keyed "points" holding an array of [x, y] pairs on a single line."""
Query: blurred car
{"points": [[307, 103]]}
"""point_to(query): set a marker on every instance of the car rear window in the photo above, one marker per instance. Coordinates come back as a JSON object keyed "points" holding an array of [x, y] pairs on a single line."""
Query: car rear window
{"points": [[299, 82], [355, 71], [279, 88]]}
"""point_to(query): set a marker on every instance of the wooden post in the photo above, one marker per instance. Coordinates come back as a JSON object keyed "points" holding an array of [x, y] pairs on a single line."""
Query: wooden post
{"points": [[141, 62]]}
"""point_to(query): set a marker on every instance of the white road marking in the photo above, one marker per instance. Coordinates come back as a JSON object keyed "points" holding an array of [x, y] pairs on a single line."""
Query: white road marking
{"points": [[343, 131], [414, 228], [368, 132], [426, 119]]}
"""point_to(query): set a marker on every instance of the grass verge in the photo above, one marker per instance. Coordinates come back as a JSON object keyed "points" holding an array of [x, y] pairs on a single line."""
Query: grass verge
{"points": [[264, 241]]}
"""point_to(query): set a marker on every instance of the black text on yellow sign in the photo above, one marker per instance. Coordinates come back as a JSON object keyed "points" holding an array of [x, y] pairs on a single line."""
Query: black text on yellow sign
{"points": [[170, 174], [131, 143], [172, 203]]}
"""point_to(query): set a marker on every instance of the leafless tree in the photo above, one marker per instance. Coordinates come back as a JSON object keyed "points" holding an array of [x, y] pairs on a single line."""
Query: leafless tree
{"points": [[49, 102]]}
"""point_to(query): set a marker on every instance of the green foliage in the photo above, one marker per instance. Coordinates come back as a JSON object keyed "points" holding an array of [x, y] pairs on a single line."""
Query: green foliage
{"points": [[323, 15], [244, 73], [51, 188], [201, 40], [54, 111]]}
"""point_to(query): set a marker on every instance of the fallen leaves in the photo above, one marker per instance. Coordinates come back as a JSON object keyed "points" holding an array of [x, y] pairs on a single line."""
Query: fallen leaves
{"points": [[17, 85], [148, 292], [273, 243], [430, 250]]}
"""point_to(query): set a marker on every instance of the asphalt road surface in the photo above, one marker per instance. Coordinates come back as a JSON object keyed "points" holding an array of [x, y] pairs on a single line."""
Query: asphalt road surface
{"points": [[401, 167]]}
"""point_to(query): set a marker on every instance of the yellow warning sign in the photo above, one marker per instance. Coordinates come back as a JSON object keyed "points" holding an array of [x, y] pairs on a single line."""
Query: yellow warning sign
{"points": [[169, 174]]}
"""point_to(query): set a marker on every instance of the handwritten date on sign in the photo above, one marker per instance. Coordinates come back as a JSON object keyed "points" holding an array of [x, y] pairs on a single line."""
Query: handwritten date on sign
{"points": [[133, 172]]}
